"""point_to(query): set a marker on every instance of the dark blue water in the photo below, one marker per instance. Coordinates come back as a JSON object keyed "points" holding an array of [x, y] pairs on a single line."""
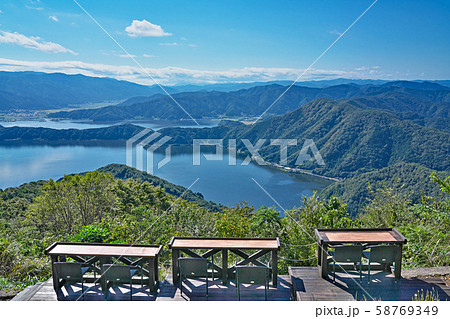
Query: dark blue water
{"points": [[217, 181]]}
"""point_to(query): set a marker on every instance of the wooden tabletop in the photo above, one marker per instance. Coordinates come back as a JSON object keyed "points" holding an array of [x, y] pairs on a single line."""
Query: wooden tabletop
{"points": [[370, 236], [225, 243], [112, 250]]}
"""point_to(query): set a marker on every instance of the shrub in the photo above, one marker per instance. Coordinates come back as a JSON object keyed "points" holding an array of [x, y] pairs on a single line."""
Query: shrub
{"points": [[91, 234]]}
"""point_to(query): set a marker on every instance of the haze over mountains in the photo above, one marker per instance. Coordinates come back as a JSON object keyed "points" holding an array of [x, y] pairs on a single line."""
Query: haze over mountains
{"points": [[44, 91], [424, 103]]}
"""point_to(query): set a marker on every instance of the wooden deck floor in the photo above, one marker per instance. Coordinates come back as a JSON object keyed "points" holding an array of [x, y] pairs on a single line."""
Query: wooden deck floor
{"points": [[196, 290], [192, 290], [308, 285], [303, 283]]}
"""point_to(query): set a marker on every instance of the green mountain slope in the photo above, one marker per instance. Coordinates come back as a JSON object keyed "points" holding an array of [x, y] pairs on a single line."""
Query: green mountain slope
{"points": [[351, 140], [411, 180]]}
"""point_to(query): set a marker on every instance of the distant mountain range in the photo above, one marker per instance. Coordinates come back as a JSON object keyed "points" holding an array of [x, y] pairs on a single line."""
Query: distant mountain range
{"points": [[352, 139], [424, 103], [43, 91]]}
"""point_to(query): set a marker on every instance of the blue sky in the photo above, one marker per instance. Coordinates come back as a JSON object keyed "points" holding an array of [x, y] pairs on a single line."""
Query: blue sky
{"points": [[225, 41]]}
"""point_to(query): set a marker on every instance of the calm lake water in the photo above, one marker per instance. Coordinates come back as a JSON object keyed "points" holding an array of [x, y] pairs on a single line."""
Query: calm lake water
{"points": [[218, 181], [154, 125]]}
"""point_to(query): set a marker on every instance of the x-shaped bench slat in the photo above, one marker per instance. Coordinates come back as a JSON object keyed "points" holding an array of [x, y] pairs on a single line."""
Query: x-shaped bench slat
{"points": [[249, 258]]}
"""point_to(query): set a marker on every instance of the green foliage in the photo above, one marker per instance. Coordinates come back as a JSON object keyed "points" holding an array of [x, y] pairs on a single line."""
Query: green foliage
{"points": [[95, 207], [73, 202], [425, 225], [444, 184], [266, 222], [17, 265], [91, 234], [124, 172], [410, 180], [298, 238], [334, 214], [234, 221], [385, 209]]}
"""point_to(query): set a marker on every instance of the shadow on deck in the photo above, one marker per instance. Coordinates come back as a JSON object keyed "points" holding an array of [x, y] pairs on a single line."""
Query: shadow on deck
{"points": [[192, 290], [303, 283], [308, 285]]}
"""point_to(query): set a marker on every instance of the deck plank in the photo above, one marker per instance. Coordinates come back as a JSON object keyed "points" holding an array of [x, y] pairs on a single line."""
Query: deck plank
{"points": [[308, 285], [196, 290], [303, 284], [193, 290]]}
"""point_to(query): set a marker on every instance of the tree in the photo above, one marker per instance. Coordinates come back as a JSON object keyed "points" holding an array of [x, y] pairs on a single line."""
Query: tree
{"points": [[74, 201], [266, 222], [386, 208], [234, 221]]}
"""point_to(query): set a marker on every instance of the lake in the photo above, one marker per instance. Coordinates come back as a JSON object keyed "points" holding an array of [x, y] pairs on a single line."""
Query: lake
{"points": [[154, 125], [217, 181]]}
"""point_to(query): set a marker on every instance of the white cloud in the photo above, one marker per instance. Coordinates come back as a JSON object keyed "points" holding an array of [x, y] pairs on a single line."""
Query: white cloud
{"points": [[183, 38], [148, 56], [171, 43], [34, 5], [192, 45], [34, 43], [53, 18], [1, 11], [145, 29], [125, 55], [175, 75], [34, 8]]}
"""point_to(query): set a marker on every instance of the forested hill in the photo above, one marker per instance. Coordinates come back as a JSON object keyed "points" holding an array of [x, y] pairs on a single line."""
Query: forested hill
{"points": [[408, 179], [356, 143], [352, 140], [30, 190], [107, 136], [412, 100], [125, 172]]}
